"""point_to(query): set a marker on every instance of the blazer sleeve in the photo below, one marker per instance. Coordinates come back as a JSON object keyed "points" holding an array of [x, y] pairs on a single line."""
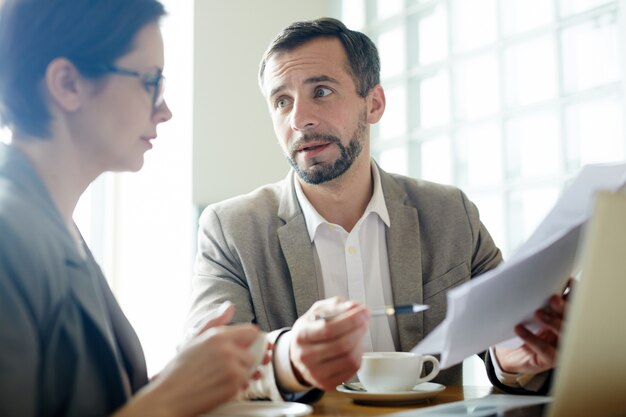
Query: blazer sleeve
{"points": [[486, 254], [218, 276], [544, 389]]}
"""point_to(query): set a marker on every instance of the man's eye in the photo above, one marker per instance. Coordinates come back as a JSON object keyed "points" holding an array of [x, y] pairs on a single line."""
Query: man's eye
{"points": [[322, 92], [281, 103]]}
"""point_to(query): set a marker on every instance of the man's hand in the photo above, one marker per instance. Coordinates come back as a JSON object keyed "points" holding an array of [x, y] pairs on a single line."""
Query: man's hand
{"points": [[324, 353], [540, 351]]}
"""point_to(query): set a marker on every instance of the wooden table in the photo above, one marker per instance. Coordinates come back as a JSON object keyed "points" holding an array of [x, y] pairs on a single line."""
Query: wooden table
{"points": [[338, 405]]}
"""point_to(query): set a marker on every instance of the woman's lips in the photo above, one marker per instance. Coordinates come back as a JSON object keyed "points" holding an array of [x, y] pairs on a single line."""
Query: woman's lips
{"points": [[148, 140]]}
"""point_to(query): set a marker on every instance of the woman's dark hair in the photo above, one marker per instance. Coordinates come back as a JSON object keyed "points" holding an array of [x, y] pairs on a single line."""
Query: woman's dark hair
{"points": [[363, 60], [90, 33]]}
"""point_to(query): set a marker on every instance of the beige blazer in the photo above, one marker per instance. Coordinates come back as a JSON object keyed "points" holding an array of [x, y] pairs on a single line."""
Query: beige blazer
{"points": [[255, 251]]}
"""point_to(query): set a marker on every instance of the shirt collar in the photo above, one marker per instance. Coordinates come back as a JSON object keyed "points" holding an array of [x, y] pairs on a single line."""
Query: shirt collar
{"points": [[314, 220]]}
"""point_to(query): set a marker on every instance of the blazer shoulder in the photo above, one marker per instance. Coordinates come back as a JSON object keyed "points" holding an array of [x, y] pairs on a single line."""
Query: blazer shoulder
{"points": [[32, 260], [21, 219], [422, 191]]}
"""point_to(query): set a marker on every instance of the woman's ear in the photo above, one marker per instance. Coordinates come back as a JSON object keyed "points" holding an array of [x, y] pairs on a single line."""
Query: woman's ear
{"points": [[375, 104], [64, 84]]}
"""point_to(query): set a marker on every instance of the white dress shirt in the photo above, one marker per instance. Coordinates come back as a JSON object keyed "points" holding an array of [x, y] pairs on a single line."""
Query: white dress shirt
{"points": [[353, 265]]}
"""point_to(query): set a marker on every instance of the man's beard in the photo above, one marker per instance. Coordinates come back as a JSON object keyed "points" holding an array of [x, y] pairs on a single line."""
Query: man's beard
{"points": [[322, 172]]}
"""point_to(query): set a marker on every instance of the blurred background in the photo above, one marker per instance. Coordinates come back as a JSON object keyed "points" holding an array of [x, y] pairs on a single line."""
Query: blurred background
{"points": [[506, 99]]}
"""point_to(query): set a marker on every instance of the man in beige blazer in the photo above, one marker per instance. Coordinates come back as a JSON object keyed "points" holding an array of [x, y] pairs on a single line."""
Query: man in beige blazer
{"points": [[339, 228]]}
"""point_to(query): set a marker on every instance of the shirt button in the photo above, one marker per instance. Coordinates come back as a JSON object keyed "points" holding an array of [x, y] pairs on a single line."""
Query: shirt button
{"points": [[351, 250]]}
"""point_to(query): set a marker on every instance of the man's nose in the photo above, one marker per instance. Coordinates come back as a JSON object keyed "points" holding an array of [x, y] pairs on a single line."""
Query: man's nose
{"points": [[304, 115]]}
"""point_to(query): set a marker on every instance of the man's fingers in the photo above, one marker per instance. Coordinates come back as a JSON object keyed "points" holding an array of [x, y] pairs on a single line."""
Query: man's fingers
{"points": [[550, 320], [341, 356], [320, 330], [542, 348], [321, 353], [336, 376], [331, 372]]}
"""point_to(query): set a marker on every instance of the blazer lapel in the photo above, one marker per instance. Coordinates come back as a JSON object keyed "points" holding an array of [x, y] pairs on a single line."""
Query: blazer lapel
{"points": [[85, 289], [297, 249], [89, 296], [405, 262]]}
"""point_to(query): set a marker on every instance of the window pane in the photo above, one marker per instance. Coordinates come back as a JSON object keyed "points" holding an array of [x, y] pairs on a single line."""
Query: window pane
{"points": [[436, 160], [569, 7], [591, 54], [479, 156], [388, 8], [395, 160], [353, 13], [392, 50], [527, 208], [5, 135], [523, 15], [533, 146], [530, 71], [595, 132], [474, 22], [429, 36], [393, 122], [435, 100], [476, 83]]}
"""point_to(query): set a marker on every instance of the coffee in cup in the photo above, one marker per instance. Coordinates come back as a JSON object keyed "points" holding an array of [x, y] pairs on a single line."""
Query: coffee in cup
{"points": [[394, 371]]}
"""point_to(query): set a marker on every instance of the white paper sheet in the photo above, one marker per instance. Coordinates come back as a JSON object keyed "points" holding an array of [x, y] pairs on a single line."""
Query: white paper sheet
{"points": [[484, 311], [478, 407]]}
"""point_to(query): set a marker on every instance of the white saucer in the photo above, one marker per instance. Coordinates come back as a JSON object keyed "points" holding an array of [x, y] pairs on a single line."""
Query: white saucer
{"points": [[260, 409], [419, 393]]}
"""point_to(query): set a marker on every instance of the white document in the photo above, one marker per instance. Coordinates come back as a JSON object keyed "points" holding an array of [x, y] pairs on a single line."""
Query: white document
{"points": [[488, 406], [484, 311]]}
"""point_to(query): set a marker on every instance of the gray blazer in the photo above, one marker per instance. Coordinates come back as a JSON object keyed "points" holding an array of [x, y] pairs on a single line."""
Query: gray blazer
{"points": [[255, 251], [66, 348]]}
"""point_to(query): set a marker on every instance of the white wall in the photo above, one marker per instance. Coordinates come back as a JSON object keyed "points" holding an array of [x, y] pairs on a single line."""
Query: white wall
{"points": [[234, 147]]}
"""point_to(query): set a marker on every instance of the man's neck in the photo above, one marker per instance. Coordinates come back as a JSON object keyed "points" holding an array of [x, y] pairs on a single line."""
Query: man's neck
{"points": [[343, 200]]}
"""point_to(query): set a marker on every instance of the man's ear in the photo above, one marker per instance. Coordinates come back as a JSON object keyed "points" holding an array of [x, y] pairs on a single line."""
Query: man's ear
{"points": [[375, 104], [64, 84]]}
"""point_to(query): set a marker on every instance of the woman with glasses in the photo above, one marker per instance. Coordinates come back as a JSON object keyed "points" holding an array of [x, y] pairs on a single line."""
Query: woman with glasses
{"points": [[81, 89]]}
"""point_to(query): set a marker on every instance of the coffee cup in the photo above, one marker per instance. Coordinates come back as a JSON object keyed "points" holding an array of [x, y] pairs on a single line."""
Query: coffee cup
{"points": [[394, 371]]}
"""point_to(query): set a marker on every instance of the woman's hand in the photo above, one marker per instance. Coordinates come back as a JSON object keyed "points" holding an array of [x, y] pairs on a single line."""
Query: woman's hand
{"points": [[210, 370]]}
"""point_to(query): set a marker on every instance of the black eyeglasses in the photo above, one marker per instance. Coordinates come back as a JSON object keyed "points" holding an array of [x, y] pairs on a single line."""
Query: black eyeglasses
{"points": [[152, 81]]}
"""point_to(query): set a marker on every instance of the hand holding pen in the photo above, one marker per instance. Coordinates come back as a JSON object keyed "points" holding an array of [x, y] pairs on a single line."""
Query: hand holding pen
{"points": [[381, 311], [324, 353]]}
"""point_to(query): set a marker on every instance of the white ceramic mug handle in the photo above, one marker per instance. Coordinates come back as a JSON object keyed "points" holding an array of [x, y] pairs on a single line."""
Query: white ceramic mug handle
{"points": [[433, 372]]}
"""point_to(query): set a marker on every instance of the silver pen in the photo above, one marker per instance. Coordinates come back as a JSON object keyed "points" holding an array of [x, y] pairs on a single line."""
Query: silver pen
{"points": [[382, 311]]}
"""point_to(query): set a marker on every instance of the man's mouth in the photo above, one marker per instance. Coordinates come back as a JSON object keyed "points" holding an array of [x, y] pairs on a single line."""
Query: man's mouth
{"points": [[312, 147]]}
